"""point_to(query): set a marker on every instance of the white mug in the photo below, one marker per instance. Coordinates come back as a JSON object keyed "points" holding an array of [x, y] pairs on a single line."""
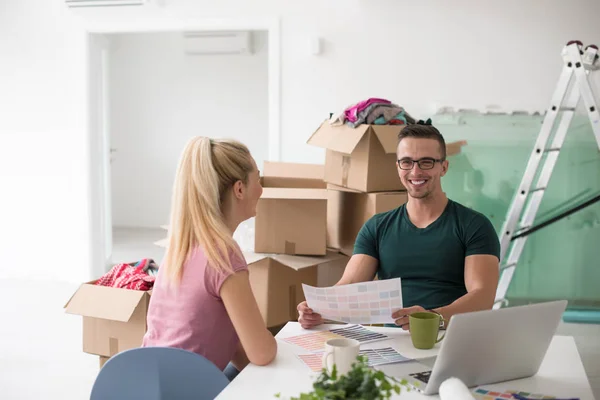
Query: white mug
{"points": [[342, 353]]}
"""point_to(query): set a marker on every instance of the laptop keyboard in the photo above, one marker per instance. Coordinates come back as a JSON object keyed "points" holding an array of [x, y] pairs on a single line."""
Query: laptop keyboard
{"points": [[422, 376]]}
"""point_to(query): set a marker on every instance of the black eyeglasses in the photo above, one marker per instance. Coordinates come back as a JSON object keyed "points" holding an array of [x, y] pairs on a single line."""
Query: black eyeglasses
{"points": [[424, 163]]}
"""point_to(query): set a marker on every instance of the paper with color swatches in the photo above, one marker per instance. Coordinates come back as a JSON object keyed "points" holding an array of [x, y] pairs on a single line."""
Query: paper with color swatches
{"points": [[316, 341], [381, 356], [484, 394], [358, 303]]}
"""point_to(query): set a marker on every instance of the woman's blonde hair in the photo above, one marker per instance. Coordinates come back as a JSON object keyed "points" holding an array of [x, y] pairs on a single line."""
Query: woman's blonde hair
{"points": [[207, 170]]}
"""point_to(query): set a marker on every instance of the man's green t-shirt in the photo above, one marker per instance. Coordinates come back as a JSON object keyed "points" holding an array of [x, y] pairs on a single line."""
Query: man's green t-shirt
{"points": [[430, 261]]}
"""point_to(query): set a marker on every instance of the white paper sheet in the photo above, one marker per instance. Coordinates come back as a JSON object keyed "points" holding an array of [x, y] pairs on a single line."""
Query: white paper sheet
{"points": [[358, 303]]}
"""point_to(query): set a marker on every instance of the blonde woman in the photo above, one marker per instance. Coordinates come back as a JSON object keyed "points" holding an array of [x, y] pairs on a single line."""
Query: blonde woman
{"points": [[202, 300]]}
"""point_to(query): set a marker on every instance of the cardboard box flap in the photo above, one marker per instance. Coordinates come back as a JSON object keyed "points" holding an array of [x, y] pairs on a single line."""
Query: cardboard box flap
{"points": [[300, 262], [294, 262], [294, 194], [294, 170], [104, 302], [252, 257], [455, 147], [388, 136], [338, 138], [331, 186]]}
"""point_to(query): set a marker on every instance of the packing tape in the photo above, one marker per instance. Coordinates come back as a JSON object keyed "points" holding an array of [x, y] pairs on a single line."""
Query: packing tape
{"points": [[290, 248], [103, 360], [113, 346], [345, 170]]}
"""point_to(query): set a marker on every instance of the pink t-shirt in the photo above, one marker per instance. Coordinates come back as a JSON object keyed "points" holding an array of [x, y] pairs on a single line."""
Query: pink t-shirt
{"points": [[193, 317]]}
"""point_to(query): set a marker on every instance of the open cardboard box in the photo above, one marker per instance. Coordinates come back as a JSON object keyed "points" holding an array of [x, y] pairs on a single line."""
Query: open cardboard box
{"points": [[363, 158], [291, 215], [277, 279], [114, 319], [348, 210]]}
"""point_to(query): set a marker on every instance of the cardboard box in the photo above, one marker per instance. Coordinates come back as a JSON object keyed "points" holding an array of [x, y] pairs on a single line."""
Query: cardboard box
{"points": [[276, 281], [291, 215], [114, 319], [364, 158], [361, 158], [348, 210]]}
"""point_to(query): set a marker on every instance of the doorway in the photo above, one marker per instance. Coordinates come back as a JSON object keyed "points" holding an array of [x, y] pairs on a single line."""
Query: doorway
{"points": [[149, 93]]}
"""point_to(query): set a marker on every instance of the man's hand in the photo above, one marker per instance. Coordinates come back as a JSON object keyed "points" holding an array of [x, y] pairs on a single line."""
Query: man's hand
{"points": [[401, 316], [308, 319]]}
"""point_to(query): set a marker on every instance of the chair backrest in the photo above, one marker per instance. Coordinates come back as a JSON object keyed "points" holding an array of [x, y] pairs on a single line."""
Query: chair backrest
{"points": [[158, 373]]}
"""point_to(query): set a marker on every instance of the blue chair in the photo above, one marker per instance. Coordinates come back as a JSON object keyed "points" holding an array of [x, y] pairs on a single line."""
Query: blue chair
{"points": [[158, 373]]}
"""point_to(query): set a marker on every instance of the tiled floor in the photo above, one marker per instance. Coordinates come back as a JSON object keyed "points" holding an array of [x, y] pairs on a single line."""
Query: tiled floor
{"points": [[40, 346]]}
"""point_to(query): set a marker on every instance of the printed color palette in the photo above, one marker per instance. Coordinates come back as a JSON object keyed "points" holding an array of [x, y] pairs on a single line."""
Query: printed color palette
{"points": [[316, 341], [359, 333], [314, 361], [312, 341], [484, 394], [357, 303], [385, 355]]}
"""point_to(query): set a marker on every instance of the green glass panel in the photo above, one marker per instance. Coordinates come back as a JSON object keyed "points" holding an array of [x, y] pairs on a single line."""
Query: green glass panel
{"points": [[561, 260]]}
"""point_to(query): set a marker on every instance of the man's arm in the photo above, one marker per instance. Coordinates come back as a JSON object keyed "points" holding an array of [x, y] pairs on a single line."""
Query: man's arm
{"points": [[481, 269], [481, 281], [360, 268], [481, 274]]}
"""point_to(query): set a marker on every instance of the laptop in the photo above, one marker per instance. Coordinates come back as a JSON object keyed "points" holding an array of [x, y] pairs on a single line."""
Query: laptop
{"points": [[491, 346]]}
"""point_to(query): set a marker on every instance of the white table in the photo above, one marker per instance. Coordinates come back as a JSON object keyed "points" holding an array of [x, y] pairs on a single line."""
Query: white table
{"points": [[561, 372]]}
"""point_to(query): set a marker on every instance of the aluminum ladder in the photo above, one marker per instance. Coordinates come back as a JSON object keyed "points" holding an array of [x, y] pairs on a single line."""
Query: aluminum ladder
{"points": [[579, 63]]}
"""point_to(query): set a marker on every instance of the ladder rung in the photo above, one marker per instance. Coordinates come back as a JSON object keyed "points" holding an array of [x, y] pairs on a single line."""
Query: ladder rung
{"points": [[538, 189], [503, 267], [552, 149], [567, 109], [521, 229]]}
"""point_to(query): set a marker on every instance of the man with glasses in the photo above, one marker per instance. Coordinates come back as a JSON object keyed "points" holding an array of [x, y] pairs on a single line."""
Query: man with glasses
{"points": [[446, 254]]}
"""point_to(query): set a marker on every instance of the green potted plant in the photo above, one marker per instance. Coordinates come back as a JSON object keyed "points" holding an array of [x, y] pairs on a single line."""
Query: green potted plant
{"points": [[361, 383]]}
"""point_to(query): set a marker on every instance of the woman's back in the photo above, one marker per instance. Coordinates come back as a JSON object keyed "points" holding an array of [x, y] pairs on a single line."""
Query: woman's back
{"points": [[191, 315]]}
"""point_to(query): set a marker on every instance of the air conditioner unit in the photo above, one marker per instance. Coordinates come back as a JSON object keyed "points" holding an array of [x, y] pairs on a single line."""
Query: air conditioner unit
{"points": [[221, 42], [104, 3]]}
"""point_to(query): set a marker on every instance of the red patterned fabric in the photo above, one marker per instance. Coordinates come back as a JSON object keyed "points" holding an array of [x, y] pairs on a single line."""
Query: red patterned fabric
{"points": [[126, 276]]}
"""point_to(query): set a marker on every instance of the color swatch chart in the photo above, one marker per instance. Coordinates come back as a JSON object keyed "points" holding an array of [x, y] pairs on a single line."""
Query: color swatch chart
{"points": [[358, 303], [385, 355], [484, 394], [316, 341]]}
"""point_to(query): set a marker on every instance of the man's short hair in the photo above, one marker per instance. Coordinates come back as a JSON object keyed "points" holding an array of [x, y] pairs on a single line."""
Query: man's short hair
{"points": [[424, 131]]}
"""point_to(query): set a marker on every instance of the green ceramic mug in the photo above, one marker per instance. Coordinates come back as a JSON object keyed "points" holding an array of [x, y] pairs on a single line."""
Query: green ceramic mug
{"points": [[424, 329]]}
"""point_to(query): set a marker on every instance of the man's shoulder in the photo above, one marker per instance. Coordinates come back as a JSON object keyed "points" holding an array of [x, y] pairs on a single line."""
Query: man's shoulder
{"points": [[386, 217], [468, 216]]}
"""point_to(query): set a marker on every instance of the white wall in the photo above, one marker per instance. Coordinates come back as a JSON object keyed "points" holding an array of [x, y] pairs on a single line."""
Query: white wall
{"points": [[462, 53], [422, 55], [44, 185], [160, 98]]}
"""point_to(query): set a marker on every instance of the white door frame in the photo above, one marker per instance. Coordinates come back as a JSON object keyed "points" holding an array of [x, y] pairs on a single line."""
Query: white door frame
{"points": [[100, 234]]}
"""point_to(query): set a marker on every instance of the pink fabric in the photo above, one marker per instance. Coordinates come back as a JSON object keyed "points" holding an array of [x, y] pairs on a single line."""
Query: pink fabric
{"points": [[352, 112], [127, 276], [193, 317]]}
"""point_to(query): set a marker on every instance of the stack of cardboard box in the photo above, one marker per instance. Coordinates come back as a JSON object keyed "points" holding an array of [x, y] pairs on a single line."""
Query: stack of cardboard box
{"points": [[290, 240], [361, 177], [305, 228]]}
